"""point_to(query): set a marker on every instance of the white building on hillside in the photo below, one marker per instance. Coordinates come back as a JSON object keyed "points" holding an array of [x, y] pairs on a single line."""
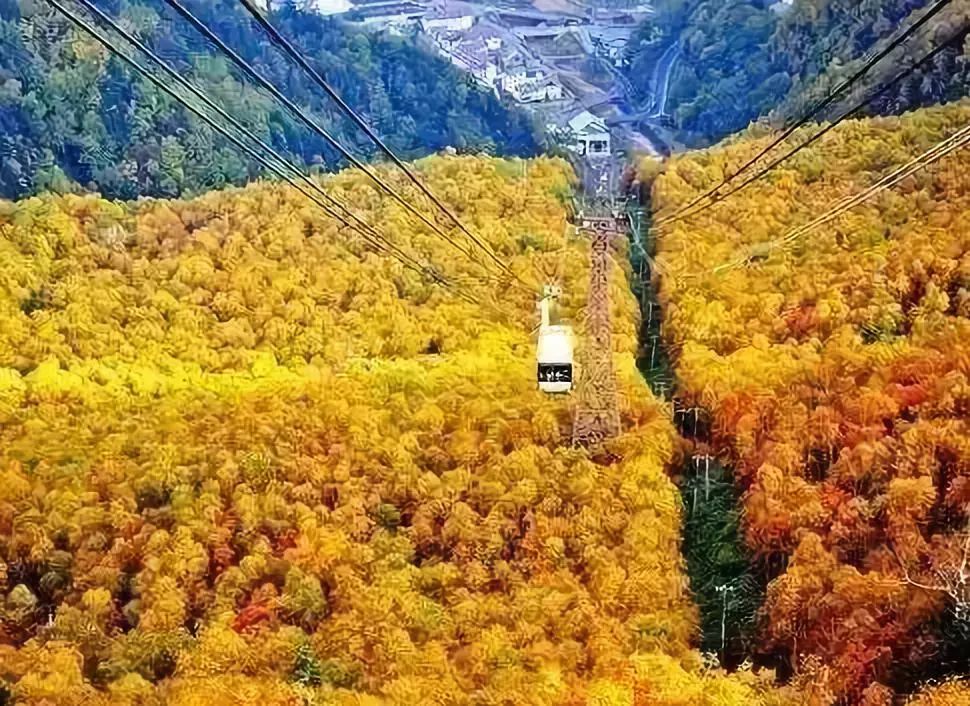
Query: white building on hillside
{"points": [[394, 15], [609, 42], [544, 90], [519, 71], [494, 37], [476, 59], [495, 57], [588, 135], [450, 16], [329, 7]]}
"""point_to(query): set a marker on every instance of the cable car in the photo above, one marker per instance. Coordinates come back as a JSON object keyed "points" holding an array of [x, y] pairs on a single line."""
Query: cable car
{"points": [[554, 352]]}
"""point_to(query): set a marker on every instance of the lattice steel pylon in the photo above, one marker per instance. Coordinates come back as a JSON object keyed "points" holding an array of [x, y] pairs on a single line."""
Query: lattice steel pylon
{"points": [[597, 417]]}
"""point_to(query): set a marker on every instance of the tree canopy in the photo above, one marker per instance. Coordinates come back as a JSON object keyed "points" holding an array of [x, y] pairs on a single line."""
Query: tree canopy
{"points": [[835, 371], [243, 461], [72, 116], [745, 60]]}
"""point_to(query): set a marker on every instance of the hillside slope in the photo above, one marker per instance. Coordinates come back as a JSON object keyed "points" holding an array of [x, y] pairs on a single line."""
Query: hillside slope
{"points": [[835, 372], [69, 112], [742, 60], [239, 465]]}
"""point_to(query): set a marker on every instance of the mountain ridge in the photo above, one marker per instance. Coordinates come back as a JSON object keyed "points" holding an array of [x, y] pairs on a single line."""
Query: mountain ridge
{"points": [[75, 117]]}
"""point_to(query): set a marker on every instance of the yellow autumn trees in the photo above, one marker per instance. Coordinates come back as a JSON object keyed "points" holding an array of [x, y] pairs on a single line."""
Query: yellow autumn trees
{"points": [[244, 460], [835, 370]]}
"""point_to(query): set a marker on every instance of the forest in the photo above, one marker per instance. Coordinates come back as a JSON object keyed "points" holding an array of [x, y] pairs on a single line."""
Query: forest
{"points": [[72, 117], [245, 460], [247, 457], [746, 60], [832, 372]]}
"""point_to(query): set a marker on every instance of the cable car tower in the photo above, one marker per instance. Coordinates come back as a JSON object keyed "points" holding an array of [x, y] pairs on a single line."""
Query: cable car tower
{"points": [[597, 417]]}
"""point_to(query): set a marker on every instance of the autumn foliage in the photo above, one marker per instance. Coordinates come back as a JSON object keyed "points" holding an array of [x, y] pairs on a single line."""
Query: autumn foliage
{"points": [[836, 371], [243, 460]]}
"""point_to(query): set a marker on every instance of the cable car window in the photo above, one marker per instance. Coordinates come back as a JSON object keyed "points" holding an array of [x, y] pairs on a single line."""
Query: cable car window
{"points": [[555, 372]]}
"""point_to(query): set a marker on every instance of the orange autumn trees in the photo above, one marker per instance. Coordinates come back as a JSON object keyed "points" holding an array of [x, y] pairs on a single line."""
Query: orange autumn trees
{"points": [[240, 464], [836, 370]]}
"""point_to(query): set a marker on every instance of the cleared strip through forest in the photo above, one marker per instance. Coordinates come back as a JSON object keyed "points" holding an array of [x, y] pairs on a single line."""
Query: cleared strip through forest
{"points": [[724, 586]]}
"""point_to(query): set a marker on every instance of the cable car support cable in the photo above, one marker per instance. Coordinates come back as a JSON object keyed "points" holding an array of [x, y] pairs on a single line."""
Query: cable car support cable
{"points": [[201, 95], [956, 141], [300, 59], [377, 244], [817, 108], [824, 131], [312, 124]]}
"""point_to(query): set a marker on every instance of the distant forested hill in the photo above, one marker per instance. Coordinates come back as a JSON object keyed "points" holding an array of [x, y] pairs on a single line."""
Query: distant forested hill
{"points": [[741, 59], [70, 113]]}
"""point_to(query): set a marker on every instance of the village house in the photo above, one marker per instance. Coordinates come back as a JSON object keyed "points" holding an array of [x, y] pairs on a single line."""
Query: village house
{"points": [[494, 37], [397, 15], [476, 51], [449, 16], [329, 7], [587, 135], [609, 42], [475, 58], [447, 42], [499, 60], [519, 70], [544, 90]]}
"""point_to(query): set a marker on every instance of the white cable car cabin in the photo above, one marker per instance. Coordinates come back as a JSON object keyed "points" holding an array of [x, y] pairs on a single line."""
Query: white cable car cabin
{"points": [[554, 353]]}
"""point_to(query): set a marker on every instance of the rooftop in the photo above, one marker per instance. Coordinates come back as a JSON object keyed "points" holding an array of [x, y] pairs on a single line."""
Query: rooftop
{"points": [[386, 9], [451, 9], [521, 59], [534, 18], [526, 32], [486, 30], [359, 4], [610, 33], [582, 120], [473, 54]]}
